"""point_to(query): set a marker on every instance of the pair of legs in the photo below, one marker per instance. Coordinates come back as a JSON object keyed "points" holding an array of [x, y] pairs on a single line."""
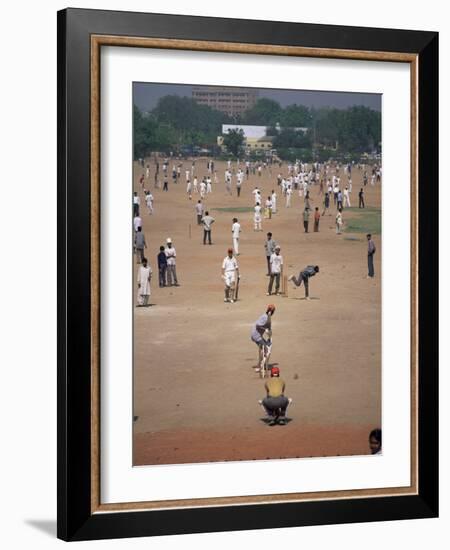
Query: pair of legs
{"points": [[305, 225], [261, 343], [258, 226], [143, 299], [298, 281], [172, 275], [140, 255], [370, 265], [236, 245], [276, 406], [316, 227], [230, 286], [276, 277], [207, 235], [162, 275]]}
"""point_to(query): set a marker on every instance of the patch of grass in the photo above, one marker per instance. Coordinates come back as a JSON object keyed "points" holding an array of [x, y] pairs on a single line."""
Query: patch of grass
{"points": [[363, 220], [235, 209]]}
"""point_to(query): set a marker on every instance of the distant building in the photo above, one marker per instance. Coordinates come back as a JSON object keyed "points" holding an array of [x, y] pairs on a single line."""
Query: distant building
{"points": [[232, 101], [255, 136]]}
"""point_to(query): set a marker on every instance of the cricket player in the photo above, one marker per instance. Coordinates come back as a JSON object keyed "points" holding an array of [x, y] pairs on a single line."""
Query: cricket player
{"points": [[347, 198], [274, 202], [304, 276], [136, 204], [276, 270], [202, 189], [230, 274], [263, 324], [288, 196], [171, 255], [275, 403], [269, 247], [149, 202], [189, 189], [257, 218], [235, 230]]}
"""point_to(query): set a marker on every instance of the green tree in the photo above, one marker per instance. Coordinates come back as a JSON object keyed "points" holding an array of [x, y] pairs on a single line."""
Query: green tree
{"points": [[296, 116], [234, 140], [194, 124], [265, 112], [289, 137]]}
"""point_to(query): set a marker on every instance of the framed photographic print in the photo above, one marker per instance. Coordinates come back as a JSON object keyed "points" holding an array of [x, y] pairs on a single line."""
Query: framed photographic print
{"points": [[247, 274]]}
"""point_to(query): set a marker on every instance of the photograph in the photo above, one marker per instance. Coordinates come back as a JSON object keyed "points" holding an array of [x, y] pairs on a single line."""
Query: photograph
{"points": [[256, 248]]}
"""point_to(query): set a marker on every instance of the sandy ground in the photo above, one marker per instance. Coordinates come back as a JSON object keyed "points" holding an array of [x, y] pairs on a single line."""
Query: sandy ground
{"points": [[195, 389]]}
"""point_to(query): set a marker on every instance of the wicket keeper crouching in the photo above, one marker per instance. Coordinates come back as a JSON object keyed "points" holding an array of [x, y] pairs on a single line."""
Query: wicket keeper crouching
{"points": [[275, 403]]}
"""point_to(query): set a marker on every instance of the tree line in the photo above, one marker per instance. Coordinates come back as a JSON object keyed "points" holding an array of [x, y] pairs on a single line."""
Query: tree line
{"points": [[180, 124]]}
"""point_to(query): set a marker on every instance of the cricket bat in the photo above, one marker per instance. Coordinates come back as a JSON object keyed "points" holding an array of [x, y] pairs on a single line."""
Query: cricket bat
{"points": [[236, 289]]}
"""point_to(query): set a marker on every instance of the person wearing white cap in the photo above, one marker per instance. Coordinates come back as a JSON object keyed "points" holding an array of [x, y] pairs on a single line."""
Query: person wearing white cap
{"points": [[171, 255], [276, 270]]}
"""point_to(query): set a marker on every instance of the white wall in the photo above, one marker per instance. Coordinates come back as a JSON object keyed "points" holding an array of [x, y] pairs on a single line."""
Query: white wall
{"points": [[28, 335]]}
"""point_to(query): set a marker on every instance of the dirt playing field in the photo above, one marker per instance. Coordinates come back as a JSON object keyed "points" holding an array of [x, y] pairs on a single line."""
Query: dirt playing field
{"points": [[195, 389]]}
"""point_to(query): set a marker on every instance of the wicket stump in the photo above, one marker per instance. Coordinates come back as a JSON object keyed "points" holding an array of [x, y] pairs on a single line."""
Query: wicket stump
{"points": [[284, 286]]}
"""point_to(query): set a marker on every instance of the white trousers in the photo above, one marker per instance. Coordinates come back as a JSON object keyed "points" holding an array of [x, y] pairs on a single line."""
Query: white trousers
{"points": [[236, 245]]}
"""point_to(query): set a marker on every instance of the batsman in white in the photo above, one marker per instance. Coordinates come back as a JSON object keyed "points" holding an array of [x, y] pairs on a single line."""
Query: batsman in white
{"points": [[230, 274]]}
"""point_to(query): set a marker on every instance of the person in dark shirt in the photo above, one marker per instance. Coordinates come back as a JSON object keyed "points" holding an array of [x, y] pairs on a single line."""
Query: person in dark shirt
{"points": [[304, 276], [361, 198], [326, 204], [162, 266], [371, 249]]}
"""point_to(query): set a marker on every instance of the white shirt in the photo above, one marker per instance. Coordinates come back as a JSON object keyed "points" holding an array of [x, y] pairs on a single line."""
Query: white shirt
{"points": [[276, 262], [170, 255], [199, 208], [257, 210], [229, 264], [236, 229], [136, 200], [137, 223], [149, 198]]}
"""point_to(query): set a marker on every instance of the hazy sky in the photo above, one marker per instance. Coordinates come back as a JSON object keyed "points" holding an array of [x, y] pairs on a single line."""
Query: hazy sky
{"points": [[146, 96]]}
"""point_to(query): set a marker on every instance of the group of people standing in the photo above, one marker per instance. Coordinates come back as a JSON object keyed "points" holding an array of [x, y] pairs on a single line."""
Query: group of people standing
{"points": [[166, 260]]}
